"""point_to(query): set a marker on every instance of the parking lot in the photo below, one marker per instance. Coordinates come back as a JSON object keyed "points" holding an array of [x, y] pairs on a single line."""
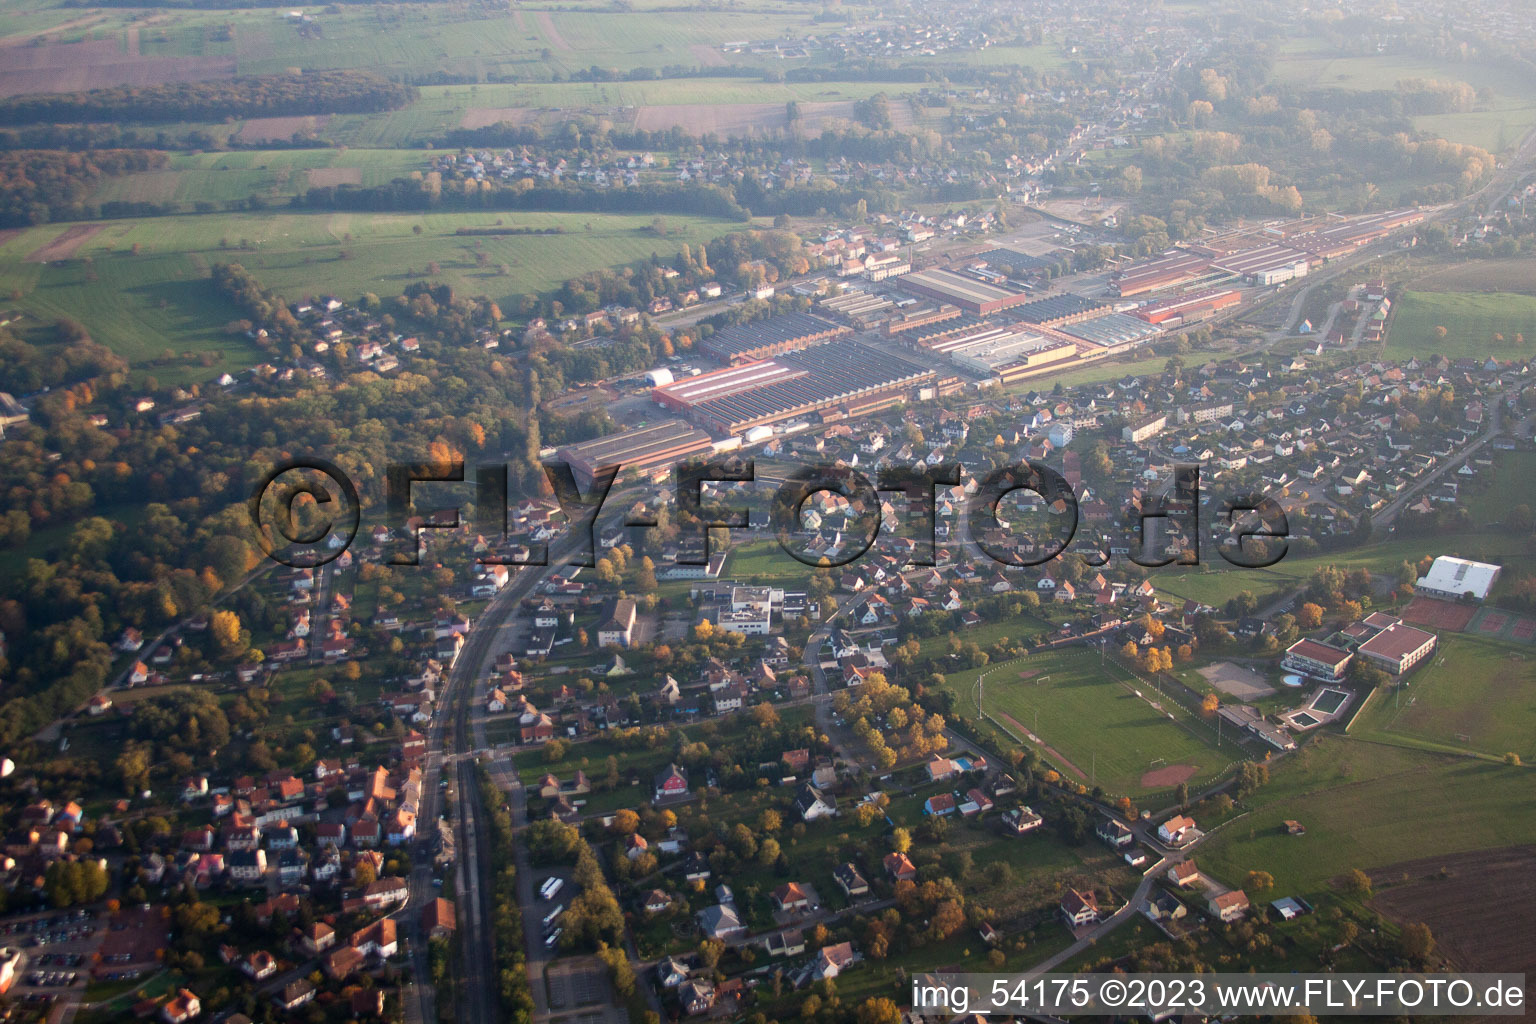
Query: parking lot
{"points": [[59, 949]]}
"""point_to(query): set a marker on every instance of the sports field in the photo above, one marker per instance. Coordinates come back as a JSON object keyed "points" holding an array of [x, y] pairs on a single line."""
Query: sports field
{"points": [[1478, 694], [1473, 324], [1096, 729]]}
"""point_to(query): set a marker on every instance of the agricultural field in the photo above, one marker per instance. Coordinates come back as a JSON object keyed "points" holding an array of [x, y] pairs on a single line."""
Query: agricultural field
{"points": [[1499, 122], [272, 175], [1478, 694], [1355, 798], [1092, 724], [1438, 890], [1517, 276], [158, 300], [1472, 323]]}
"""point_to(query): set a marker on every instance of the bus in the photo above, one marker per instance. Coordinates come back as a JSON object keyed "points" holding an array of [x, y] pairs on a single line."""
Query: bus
{"points": [[550, 887], [554, 937], [549, 918]]}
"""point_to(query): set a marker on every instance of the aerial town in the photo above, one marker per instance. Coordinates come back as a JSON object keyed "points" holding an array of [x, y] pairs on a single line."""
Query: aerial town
{"points": [[718, 522]]}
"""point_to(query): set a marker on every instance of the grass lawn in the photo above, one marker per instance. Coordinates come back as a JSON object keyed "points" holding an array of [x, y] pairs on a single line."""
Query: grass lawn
{"points": [[150, 309], [1471, 320], [1500, 488], [1357, 799], [1475, 687], [1217, 582], [1091, 717]]}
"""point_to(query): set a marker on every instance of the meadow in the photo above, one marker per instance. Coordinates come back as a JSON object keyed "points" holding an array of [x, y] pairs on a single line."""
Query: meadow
{"points": [[158, 300], [1471, 322], [1366, 805], [1089, 715], [1477, 688], [272, 175]]}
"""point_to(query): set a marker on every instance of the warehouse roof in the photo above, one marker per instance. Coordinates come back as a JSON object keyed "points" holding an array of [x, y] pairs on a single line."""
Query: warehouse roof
{"points": [[1111, 330], [1054, 307], [785, 328]]}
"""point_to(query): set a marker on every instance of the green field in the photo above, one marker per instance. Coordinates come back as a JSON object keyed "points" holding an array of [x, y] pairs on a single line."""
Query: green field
{"points": [[431, 39], [1471, 321], [274, 175], [1477, 688], [159, 299], [1089, 715], [1369, 805]]}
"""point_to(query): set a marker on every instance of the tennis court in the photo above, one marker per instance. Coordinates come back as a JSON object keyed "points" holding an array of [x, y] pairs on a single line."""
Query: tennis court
{"points": [[1502, 625], [1435, 614]]}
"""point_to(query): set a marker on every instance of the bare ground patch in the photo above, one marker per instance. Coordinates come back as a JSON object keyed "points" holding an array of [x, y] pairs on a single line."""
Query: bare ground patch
{"points": [[707, 55], [97, 64], [1170, 775], [279, 129], [556, 40], [321, 177], [151, 186], [1479, 905], [484, 117], [66, 244], [1236, 681]]}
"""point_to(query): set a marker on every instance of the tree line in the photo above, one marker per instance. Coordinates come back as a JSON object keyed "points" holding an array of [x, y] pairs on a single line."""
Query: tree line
{"points": [[325, 92]]}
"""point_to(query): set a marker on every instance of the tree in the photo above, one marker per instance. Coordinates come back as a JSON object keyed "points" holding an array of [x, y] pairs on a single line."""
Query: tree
{"points": [[1417, 943], [877, 1011], [229, 640], [1309, 616], [1181, 795], [1251, 776], [626, 822], [1357, 884], [901, 840], [1258, 881]]}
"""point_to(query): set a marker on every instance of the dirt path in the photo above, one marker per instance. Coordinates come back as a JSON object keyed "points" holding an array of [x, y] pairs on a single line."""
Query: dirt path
{"points": [[1051, 752], [66, 244]]}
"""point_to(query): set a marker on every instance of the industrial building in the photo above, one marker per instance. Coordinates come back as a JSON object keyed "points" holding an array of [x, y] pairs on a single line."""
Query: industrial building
{"points": [[1264, 264], [989, 351], [684, 395], [830, 381], [920, 316], [650, 448], [1191, 306], [761, 339], [1346, 236], [1058, 309], [1010, 261], [1166, 271], [969, 293], [859, 309], [1115, 332]]}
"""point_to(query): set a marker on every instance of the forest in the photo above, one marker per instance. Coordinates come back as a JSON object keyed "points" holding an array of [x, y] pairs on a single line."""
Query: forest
{"points": [[325, 92]]}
